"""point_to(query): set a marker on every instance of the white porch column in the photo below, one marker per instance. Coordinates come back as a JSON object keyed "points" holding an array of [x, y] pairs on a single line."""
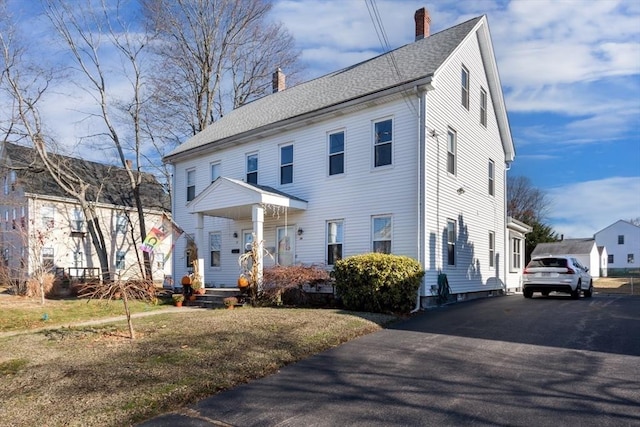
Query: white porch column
{"points": [[257, 216], [201, 244]]}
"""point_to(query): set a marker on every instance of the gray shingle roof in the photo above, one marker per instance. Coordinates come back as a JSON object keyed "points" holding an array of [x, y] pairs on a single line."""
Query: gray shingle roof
{"points": [[415, 61], [112, 181], [565, 247]]}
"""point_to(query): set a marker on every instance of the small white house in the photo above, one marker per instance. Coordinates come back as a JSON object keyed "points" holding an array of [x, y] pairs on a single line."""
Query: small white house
{"points": [[408, 159], [584, 250], [517, 232], [622, 241]]}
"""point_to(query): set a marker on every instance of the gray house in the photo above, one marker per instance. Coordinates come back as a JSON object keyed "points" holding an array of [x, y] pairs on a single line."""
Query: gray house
{"points": [[584, 250]]}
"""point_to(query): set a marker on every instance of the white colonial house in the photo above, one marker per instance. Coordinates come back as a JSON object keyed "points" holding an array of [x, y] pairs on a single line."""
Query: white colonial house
{"points": [[405, 153], [622, 241], [43, 228]]}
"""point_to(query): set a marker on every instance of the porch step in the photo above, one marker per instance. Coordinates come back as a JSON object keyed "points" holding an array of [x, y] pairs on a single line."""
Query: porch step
{"points": [[214, 297]]}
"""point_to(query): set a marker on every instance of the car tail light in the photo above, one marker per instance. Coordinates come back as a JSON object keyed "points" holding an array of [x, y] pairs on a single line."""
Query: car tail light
{"points": [[570, 271], [525, 271]]}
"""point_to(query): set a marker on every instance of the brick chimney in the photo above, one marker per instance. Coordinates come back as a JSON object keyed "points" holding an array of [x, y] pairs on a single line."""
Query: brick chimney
{"points": [[278, 81], [423, 20]]}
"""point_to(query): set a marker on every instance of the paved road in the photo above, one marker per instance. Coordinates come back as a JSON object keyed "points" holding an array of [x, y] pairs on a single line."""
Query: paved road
{"points": [[505, 361]]}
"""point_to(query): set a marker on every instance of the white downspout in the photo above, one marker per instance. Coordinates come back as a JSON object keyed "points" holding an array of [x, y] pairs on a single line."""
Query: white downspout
{"points": [[421, 93], [505, 246]]}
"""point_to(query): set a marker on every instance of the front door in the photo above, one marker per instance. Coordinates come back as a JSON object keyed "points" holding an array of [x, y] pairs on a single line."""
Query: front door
{"points": [[286, 245]]}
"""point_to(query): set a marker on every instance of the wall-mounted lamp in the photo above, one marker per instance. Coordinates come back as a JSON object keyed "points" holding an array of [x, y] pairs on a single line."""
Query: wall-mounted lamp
{"points": [[235, 234], [460, 190], [300, 231]]}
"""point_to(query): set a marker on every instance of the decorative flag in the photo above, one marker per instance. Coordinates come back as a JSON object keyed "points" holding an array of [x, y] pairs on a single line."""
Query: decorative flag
{"points": [[159, 233]]}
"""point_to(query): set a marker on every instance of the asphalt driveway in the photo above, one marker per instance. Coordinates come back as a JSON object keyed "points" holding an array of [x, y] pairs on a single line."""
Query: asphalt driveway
{"points": [[505, 361]]}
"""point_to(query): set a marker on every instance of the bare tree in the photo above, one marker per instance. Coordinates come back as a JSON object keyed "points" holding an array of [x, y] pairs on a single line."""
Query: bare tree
{"points": [[83, 27], [215, 55]]}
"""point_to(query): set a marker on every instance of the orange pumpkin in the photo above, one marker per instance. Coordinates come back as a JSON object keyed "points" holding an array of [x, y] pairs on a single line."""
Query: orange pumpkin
{"points": [[242, 282]]}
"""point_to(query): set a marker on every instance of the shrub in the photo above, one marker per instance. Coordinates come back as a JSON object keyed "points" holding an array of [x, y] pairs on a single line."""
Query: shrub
{"points": [[378, 283], [33, 285], [282, 284]]}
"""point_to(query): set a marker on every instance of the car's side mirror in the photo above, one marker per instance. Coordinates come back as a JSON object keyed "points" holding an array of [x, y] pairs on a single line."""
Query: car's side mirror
{"points": [[586, 269]]}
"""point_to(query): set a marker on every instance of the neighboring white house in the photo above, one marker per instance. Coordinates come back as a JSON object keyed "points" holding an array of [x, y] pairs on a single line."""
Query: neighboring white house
{"points": [[584, 250], [517, 232], [622, 240], [405, 153], [41, 227]]}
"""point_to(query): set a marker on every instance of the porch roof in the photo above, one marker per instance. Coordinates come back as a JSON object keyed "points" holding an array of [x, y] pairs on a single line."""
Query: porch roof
{"points": [[232, 198]]}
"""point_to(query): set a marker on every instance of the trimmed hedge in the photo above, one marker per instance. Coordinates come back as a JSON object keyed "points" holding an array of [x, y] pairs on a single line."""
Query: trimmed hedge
{"points": [[379, 283]]}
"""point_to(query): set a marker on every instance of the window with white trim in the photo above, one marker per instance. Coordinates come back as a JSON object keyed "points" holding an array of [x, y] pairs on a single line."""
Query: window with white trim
{"points": [[610, 259], [464, 83], [191, 185], [334, 241], [120, 264], [252, 168], [483, 107], [215, 248], [516, 256], [47, 258], [451, 242], [381, 234], [451, 151], [121, 223], [492, 175], [630, 259], [492, 249], [215, 171], [383, 143], [286, 164], [48, 215], [77, 220], [336, 153]]}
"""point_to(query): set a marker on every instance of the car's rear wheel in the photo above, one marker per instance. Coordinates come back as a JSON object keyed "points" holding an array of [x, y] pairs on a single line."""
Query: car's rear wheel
{"points": [[576, 294], [527, 293], [589, 292]]}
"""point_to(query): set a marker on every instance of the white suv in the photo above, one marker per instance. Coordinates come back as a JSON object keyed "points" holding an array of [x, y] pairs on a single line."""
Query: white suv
{"points": [[548, 274]]}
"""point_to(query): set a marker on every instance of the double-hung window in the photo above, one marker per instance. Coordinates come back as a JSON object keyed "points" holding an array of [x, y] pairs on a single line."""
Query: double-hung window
{"points": [[383, 142], [120, 255], [48, 214], [121, 223], [215, 248], [483, 107], [334, 241], [382, 234], [77, 221], [286, 164], [515, 253], [464, 82], [191, 185], [610, 259], [451, 151], [215, 171], [621, 239], [252, 168], [492, 175], [47, 258], [492, 249], [451, 242], [336, 153]]}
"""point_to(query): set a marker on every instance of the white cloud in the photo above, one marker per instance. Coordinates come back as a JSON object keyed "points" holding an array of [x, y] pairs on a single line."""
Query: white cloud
{"points": [[581, 209]]}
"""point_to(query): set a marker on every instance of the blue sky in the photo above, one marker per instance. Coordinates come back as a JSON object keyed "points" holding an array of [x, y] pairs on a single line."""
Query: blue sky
{"points": [[570, 71]]}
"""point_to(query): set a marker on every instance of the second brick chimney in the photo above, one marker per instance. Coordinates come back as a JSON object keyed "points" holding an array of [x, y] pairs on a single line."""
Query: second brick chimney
{"points": [[423, 20], [278, 81]]}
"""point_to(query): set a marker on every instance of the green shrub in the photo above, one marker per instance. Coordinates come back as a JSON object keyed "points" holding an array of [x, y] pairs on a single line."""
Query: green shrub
{"points": [[378, 283]]}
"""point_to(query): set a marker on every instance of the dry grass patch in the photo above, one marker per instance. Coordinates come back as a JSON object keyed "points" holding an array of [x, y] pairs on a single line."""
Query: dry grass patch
{"points": [[617, 285], [97, 377]]}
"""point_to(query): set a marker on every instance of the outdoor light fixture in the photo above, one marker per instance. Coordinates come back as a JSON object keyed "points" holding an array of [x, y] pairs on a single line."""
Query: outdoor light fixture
{"points": [[300, 231], [235, 234], [460, 190]]}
